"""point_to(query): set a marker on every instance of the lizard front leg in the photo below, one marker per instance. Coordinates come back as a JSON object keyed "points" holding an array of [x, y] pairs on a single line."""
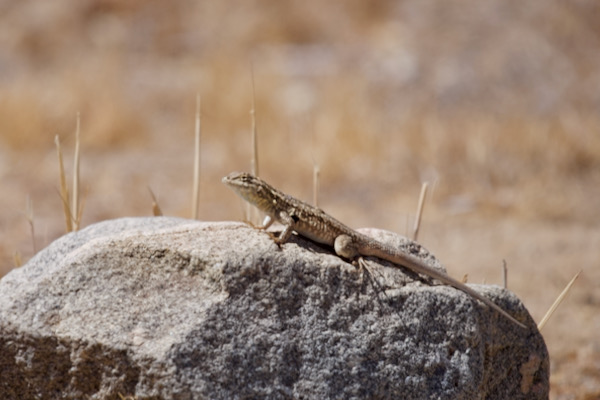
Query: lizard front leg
{"points": [[267, 222], [286, 221], [288, 227]]}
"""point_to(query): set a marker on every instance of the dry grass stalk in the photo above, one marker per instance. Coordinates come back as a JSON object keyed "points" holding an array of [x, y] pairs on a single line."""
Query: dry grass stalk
{"points": [[557, 302], [29, 216], [17, 260], [316, 174], [254, 161], [64, 191], [75, 211], [252, 214], [505, 274], [156, 211], [81, 207], [422, 197], [196, 185]]}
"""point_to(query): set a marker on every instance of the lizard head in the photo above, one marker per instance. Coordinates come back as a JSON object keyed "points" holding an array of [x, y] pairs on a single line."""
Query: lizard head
{"points": [[253, 189]]}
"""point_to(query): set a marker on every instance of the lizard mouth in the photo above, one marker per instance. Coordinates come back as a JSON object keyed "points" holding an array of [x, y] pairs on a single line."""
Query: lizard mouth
{"points": [[232, 179], [242, 183]]}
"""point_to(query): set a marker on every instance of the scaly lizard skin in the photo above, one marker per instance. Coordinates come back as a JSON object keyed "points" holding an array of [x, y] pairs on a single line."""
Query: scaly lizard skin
{"points": [[313, 223]]}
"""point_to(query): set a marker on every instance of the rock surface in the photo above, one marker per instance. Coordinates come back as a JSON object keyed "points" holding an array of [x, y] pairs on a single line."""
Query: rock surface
{"points": [[165, 308]]}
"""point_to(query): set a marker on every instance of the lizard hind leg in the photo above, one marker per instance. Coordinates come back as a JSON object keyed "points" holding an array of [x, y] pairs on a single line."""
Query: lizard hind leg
{"points": [[367, 272], [345, 247], [364, 274], [361, 264]]}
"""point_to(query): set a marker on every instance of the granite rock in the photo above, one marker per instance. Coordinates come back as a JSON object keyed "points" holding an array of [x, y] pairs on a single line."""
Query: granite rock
{"points": [[166, 308]]}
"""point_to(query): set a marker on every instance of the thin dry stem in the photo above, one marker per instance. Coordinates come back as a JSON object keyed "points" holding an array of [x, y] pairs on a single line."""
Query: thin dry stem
{"points": [[82, 205], [17, 260], [66, 209], [250, 214], [156, 211], [75, 205], [316, 175], [29, 216], [254, 161], [64, 191], [420, 207], [196, 185], [557, 302], [505, 274]]}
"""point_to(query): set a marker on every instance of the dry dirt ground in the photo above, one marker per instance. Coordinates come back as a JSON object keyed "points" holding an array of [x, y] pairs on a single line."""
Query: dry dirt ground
{"points": [[495, 104]]}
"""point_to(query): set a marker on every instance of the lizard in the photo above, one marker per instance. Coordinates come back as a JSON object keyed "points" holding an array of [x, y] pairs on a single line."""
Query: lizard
{"points": [[315, 224]]}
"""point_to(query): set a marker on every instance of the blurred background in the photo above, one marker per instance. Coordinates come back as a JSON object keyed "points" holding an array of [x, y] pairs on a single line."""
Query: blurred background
{"points": [[496, 104]]}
